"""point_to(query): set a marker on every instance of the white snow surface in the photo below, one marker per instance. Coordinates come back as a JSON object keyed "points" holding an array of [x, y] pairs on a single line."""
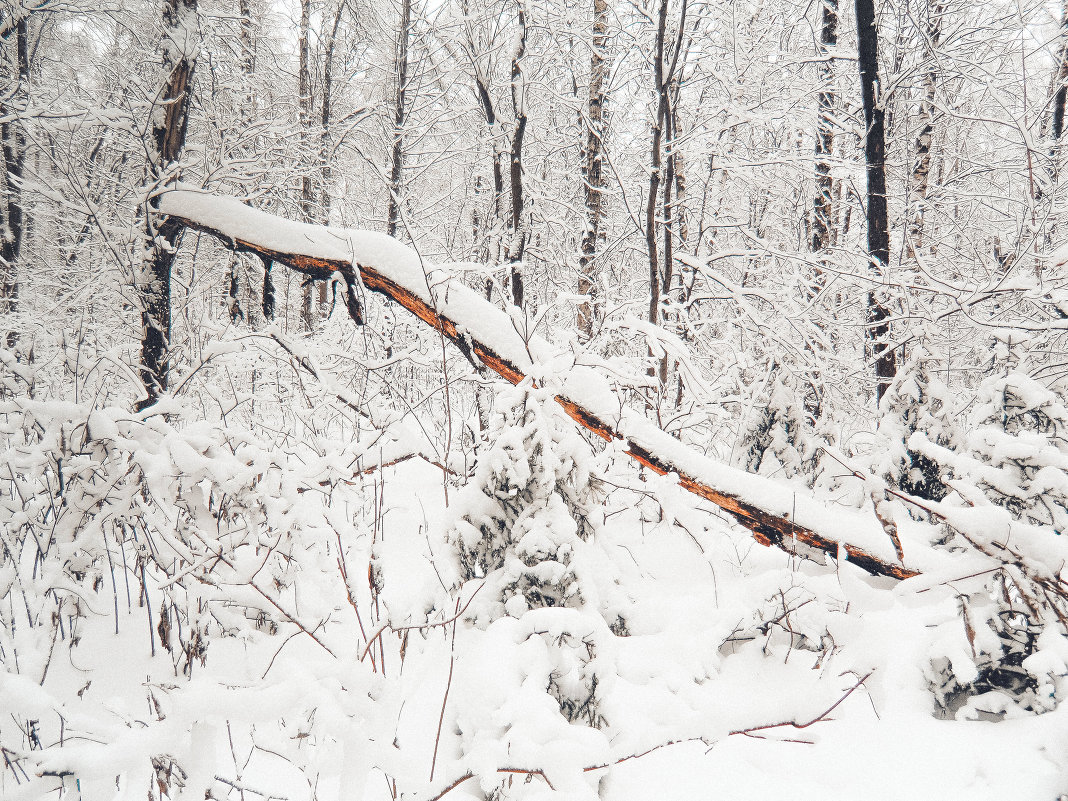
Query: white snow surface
{"points": [[708, 654]]}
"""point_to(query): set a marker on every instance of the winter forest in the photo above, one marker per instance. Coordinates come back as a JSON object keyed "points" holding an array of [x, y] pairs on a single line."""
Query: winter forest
{"points": [[533, 399]]}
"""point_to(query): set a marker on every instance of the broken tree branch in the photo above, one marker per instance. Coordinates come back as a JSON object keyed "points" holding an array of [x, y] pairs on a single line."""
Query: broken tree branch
{"points": [[385, 266]]}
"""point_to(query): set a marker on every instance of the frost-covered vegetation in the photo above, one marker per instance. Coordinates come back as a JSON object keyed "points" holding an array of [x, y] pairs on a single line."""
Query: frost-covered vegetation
{"points": [[266, 534]]}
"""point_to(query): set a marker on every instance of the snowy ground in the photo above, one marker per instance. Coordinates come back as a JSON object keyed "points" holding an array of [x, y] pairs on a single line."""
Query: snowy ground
{"points": [[724, 640]]}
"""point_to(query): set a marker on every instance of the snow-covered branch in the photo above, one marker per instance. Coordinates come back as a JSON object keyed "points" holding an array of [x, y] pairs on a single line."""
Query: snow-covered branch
{"points": [[775, 514]]}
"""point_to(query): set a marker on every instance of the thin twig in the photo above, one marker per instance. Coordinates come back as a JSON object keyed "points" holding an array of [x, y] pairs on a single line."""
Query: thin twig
{"points": [[749, 732], [398, 629]]}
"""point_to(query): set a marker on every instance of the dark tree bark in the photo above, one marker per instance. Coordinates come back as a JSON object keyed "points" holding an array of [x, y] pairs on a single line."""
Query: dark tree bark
{"points": [[594, 172], [268, 290], [170, 119], [396, 171], [509, 216], [823, 208], [13, 222], [492, 247], [1060, 81], [656, 162], [665, 86], [878, 329], [517, 245]]}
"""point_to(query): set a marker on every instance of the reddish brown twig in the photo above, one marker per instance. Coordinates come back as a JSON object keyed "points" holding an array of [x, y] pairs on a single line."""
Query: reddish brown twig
{"points": [[749, 732], [818, 719]]}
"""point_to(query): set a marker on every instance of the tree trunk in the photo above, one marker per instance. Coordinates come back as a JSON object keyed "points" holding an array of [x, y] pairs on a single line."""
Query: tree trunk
{"points": [[1060, 82], [12, 222], [823, 207], [878, 328], [492, 247], [246, 40], [921, 168], [508, 249], [594, 173], [517, 245], [309, 313], [396, 170], [656, 163], [665, 81], [170, 119], [666, 86], [1059, 96], [268, 290]]}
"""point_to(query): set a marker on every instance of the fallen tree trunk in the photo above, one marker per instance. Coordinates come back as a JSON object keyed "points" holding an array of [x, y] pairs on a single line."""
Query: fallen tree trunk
{"points": [[481, 331]]}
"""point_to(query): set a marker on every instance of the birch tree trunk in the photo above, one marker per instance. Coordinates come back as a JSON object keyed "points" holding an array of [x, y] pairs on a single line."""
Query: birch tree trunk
{"points": [[878, 329], [16, 63], [396, 171], [309, 311], [169, 121], [823, 207], [593, 185], [518, 240], [921, 168]]}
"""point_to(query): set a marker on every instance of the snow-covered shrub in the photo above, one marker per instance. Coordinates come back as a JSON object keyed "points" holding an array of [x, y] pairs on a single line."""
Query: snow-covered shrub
{"points": [[522, 539], [1013, 660], [156, 556], [775, 442], [528, 506], [1019, 449], [916, 404]]}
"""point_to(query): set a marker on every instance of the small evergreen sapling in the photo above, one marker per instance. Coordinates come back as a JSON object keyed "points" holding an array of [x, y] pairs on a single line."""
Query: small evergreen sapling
{"points": [[916, 409], [523, 528], [776, 439], [1019, 445]]}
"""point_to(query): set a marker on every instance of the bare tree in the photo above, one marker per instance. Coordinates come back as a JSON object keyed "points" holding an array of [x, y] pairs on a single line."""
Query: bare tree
{"points": [[593, 185], [822, 209], [518, 241], [665, 62], [396, 169], [16, 66], [325, 115], [666, 86], [1060, 81], [308, 312], [169, 120], [878, 330], [921, 169], [508, 229]]}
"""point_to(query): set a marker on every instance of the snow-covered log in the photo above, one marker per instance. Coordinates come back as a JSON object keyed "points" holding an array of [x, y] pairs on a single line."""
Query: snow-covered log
{"points": [[775, 514]]}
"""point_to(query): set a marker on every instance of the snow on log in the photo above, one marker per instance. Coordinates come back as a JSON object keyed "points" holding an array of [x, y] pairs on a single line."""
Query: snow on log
{"points": [[775, 514]]}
